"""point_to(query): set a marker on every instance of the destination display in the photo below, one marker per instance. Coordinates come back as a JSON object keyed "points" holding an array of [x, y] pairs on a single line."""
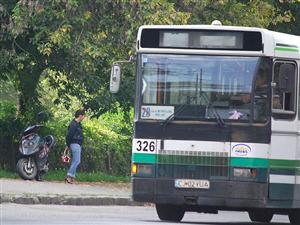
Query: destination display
{"points": [[202, 39]]}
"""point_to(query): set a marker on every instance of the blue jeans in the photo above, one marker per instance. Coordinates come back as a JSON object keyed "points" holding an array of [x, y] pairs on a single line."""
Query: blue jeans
{"points": [[76, 155]]}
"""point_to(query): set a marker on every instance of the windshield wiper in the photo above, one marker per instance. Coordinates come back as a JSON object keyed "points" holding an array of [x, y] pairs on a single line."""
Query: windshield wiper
{"points": [[217, 116], [210, 106], [178, 110]]}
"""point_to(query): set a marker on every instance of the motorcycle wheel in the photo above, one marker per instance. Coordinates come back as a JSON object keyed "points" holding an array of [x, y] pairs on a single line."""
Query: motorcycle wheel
{"points": [[26, 168]]}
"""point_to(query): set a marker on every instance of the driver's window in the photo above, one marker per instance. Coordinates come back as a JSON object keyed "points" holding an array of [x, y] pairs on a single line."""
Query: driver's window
{"points": [[261, 92], [284, 90]]}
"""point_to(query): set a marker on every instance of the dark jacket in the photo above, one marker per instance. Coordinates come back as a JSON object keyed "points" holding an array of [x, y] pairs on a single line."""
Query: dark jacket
{"points": [[75, 134]]}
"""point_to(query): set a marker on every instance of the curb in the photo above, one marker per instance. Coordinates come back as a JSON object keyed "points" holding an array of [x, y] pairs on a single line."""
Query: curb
{"points": [[67, 200]]}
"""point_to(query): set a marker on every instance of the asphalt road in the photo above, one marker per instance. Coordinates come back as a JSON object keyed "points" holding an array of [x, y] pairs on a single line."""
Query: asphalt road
{"points": [[16, 214]]}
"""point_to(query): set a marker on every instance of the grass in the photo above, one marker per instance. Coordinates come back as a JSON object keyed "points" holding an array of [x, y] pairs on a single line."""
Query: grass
{"points": [[8, 174], [59, 175]]}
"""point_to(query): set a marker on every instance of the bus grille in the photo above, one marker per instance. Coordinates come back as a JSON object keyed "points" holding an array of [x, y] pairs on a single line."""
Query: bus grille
{"points": [[192, 164]]}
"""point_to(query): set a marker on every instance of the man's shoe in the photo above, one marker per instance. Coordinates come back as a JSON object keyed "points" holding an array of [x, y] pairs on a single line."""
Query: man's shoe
{"points": [[69, 180]]}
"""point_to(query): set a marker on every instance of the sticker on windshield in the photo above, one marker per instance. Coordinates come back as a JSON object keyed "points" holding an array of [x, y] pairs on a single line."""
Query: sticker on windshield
{"points": [[156, 112], [145, 59]]}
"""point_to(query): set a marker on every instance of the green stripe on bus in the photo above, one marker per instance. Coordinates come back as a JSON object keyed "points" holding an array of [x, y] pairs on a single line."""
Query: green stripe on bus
{"points": [[249, 162], [280, 163], [144, 158], [285, 49], [192, 160], [283, 171]]}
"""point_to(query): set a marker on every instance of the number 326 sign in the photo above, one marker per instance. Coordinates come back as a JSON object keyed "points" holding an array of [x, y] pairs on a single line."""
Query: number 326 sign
{"points": [[144, 146]]}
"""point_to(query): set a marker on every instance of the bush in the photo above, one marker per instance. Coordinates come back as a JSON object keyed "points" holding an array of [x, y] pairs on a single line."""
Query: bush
{"points": [[107, 144], [9, 133]]}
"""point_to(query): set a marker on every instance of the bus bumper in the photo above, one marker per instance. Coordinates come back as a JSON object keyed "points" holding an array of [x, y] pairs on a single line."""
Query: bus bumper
{"points": [[222, 194]]}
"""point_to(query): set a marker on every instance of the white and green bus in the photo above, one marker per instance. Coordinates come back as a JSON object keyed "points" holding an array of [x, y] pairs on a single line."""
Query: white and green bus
{"points": [[217, 124]]}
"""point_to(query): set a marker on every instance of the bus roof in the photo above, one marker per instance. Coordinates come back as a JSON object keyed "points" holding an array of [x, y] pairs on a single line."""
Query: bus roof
{"points": [[274, 44]]}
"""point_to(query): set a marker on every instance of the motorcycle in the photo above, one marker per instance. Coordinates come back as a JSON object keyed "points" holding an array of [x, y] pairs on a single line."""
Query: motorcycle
{"points": [[34, 150]]}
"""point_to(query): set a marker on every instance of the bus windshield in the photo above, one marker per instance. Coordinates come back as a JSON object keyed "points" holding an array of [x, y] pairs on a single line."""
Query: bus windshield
{"points": [[234, 87]]}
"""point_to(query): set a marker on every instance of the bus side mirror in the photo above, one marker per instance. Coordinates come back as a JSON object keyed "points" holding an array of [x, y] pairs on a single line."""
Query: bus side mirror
{"points": [[287, 77], [115, 78]]}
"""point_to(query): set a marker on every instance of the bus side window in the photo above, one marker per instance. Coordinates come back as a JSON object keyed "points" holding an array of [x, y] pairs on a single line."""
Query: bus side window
{"points": [[284, 90]]}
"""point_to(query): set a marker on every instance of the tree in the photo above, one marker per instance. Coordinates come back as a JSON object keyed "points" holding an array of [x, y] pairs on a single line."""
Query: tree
{"points": [[289, 11], [73, 43], [253, 13]]}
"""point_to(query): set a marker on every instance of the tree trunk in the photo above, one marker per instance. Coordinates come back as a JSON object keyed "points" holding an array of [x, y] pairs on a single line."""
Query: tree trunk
{"points": [[28, 102]]}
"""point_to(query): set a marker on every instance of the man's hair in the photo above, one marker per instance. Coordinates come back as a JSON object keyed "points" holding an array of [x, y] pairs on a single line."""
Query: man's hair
{"points": [[79, 112]]}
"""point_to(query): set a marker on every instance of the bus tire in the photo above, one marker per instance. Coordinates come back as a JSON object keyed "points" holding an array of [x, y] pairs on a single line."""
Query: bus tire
{"points": [[260, 215], [294, 217], [168, 212]]}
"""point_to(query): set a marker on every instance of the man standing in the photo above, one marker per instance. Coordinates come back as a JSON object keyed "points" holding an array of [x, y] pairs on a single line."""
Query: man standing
{"points": [[74, 141]]}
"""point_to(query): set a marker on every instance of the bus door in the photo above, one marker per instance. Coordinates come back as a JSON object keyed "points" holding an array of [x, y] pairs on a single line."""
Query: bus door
{"points": [[282, 177]]}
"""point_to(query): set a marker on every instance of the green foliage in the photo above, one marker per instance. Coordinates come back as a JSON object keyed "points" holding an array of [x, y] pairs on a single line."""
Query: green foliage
{"points": [[8, 174], [7, 111], [59, 175], [7, 91], [289, 12], [252, 13], [108, 138], [74, 43], [9, 127], [107, 144]]}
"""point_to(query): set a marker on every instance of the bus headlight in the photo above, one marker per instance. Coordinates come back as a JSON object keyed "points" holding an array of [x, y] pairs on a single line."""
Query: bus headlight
{"points": [[245, 172], [142, 169]]}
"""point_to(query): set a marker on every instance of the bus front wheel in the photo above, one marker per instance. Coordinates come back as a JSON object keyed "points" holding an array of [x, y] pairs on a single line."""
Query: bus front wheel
{"points": [[168, 212], [260, 215], [294, 217]]}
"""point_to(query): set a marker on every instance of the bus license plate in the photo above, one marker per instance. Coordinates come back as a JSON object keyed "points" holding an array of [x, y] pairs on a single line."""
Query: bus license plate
{"points": [[190, 183]]}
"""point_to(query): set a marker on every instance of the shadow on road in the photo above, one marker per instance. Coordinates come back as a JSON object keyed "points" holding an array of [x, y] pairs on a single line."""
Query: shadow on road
{"points": [[233, 223], [213, 223]]}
